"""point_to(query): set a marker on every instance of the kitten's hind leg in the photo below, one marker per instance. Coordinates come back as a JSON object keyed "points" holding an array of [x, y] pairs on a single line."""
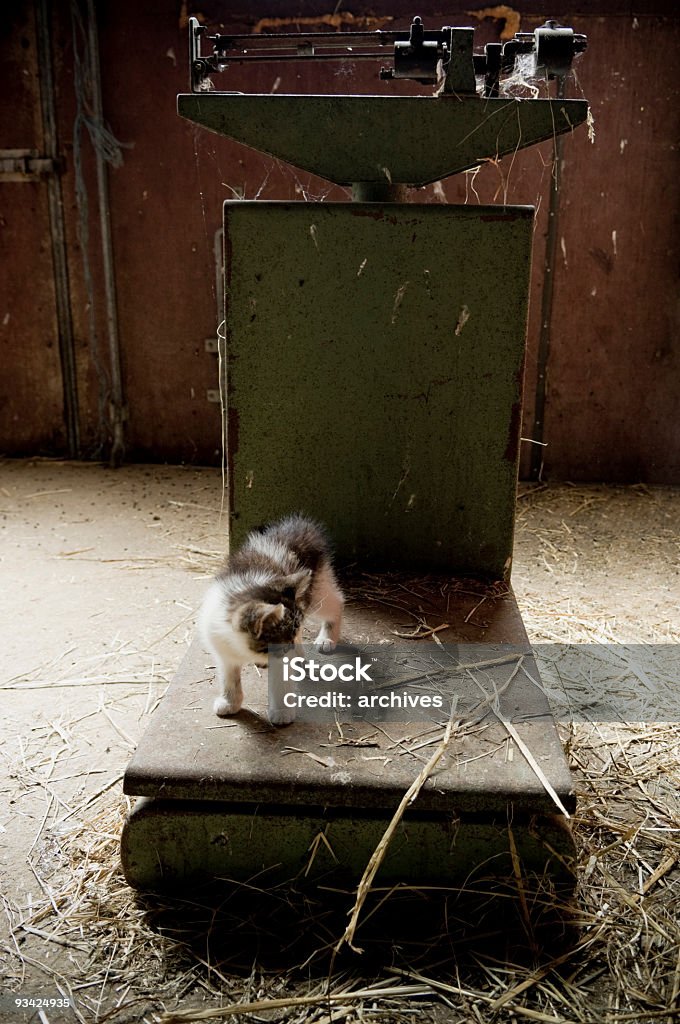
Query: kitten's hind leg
{"points": [[230, 700], [327, 605]]}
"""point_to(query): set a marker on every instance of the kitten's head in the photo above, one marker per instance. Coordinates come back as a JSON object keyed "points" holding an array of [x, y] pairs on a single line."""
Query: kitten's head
{"points": [[275, 617]]}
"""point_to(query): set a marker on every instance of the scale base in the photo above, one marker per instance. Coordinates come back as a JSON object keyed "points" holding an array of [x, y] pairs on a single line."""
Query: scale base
{"points": [[238, 799]]}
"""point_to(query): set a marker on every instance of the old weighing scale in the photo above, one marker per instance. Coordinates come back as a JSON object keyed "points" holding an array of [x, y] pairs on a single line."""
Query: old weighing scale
{"points": [[375, 352]]}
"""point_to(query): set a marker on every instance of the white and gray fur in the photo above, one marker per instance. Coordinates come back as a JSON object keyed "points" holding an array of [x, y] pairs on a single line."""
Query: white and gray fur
{"points": [[281, 574]]}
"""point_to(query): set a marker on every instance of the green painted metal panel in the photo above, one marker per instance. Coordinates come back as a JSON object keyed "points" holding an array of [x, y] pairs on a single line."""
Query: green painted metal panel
{"points": [[166, 843], [408, 139], [374, 374]]}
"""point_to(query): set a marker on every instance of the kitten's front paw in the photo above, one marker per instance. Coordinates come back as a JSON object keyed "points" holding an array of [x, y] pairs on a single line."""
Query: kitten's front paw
{"points": [[224, 707], [281, 716], [324, 643]]}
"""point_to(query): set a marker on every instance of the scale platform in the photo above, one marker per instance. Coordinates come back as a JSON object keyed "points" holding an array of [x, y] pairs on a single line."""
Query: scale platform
{"points": [[238, 799]]}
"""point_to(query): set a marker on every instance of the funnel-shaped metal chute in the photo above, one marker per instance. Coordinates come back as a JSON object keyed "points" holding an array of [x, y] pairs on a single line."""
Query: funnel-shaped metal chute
{"points": [[411, 140]]}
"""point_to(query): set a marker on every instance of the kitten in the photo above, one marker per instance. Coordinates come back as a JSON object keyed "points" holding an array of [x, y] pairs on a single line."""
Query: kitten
{"points": [[282, 573]]}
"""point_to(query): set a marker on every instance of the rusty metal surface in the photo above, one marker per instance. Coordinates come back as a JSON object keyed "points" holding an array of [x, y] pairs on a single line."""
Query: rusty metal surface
{"points": [[613, 368], [189, 754]]}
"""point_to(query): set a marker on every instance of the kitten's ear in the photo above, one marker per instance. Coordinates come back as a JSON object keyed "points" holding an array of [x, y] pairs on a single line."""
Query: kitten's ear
{"points": [[299, 581], [270, 615]]}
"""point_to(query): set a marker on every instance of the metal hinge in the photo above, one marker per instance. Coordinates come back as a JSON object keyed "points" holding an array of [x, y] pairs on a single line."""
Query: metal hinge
{"points": [[25, 165], [213, 394]]}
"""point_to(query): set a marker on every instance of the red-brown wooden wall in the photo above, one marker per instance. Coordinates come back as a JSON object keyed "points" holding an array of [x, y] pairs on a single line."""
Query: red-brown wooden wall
{"points": [[613, 371]]}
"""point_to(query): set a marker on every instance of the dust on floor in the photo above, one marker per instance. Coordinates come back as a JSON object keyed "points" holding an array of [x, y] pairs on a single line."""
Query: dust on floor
{"points": [[102, 573]]}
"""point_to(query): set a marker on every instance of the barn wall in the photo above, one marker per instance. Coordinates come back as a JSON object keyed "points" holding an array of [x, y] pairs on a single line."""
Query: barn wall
{"points": [[613, 373]]}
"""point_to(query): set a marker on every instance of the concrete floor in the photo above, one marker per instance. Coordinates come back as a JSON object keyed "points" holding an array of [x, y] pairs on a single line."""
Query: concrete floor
{"points": [[102, 574], [103, 571]]}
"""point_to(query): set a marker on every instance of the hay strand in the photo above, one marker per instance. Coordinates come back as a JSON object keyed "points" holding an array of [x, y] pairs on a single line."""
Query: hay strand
{"points": [[291, 1002], [378, 854]]}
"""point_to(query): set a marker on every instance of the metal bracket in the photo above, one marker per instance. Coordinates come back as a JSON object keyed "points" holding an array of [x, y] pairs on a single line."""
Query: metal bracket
{"points": [[459, 70], [25, 165]]}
